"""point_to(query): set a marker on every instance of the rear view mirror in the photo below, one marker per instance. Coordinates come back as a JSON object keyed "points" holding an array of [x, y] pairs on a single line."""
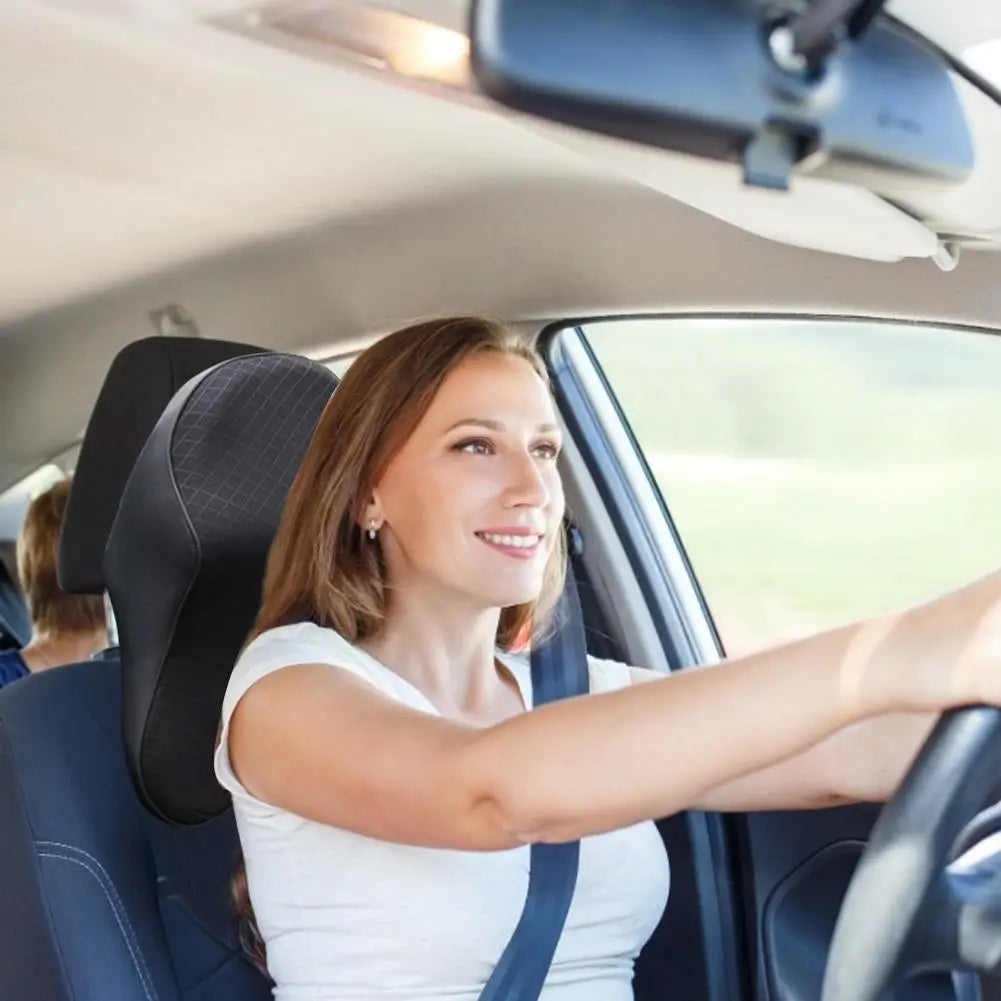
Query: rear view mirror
{"points": [[718, 79]]}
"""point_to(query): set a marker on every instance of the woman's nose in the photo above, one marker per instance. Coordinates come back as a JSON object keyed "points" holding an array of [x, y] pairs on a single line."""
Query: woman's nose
{"points": [[527, 484]]}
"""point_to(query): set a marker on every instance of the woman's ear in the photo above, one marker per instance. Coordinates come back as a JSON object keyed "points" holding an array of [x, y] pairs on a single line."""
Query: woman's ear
{"points": [[370, 515]]}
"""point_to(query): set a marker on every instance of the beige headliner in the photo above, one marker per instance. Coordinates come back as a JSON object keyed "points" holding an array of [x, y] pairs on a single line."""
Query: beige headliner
{"points": [[147, 159]]}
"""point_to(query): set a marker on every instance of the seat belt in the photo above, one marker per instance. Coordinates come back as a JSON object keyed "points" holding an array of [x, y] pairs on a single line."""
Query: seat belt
{"points": [[559, 671]]}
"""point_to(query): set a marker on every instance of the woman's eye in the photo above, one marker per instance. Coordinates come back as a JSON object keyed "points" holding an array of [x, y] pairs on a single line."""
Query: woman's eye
{"points": [[483, 446], [547, 450], [475, 446]]}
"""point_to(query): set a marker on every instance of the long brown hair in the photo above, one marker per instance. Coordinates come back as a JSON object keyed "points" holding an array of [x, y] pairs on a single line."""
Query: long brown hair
{"points": [[321, 568]]}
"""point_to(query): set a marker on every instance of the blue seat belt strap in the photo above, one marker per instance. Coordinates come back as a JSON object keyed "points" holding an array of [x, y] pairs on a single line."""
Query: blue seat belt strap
{"points": [[559, 671]]}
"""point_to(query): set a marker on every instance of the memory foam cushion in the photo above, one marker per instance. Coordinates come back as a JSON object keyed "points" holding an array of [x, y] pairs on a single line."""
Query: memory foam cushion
{"points": [[186, 558]]}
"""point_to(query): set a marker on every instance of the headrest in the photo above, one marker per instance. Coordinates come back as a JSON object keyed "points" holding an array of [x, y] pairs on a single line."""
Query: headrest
{"points": [[143, 377], [186, 558]]}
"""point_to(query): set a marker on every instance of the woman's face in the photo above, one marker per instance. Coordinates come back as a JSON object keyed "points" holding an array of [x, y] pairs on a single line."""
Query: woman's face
{"points": [[472, 502]]}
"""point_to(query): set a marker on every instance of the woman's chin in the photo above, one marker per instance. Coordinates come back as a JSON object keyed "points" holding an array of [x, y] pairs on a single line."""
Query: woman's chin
{"points": [[499, 590], [514, 596]]}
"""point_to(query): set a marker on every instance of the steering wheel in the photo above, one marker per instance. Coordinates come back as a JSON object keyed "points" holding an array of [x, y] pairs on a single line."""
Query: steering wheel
{"points": [[907, 910]]}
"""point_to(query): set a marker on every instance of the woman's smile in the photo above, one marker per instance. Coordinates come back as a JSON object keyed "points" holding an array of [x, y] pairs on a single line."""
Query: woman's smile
{"points": [[519, 543]]}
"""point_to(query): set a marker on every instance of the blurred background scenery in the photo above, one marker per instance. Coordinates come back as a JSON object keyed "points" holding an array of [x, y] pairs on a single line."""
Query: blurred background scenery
{"points": [[816, 471]]}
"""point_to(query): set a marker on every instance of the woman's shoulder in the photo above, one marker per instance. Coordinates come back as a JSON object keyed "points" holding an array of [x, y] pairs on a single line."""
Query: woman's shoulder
{"points": [[273, 650], [305, 636], [297, 643], [300, 643]]}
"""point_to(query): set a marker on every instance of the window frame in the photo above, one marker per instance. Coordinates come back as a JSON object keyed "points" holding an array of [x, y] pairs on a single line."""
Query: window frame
{"points": [[601, 450]]}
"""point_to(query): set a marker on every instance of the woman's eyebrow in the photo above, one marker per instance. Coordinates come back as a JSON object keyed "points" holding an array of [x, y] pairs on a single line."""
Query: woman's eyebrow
{"points": [[495, 425]]}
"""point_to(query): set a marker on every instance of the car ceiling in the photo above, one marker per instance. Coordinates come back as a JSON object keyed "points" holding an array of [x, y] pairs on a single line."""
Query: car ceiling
{"points": [[167, 152]]}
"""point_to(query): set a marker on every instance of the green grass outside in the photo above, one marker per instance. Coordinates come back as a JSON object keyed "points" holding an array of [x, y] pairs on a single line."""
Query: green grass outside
{"points": [[817, 472]]}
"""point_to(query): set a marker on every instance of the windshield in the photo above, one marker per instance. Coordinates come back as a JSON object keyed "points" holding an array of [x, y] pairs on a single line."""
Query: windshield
{"points": [[985, 59]]}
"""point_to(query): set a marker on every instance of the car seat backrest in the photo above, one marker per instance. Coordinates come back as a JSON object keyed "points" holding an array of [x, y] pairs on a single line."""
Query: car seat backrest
{"points": [[99, 899]]}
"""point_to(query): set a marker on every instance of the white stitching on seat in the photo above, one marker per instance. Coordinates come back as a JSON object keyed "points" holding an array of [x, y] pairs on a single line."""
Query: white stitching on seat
{"points": [[117, 909]]}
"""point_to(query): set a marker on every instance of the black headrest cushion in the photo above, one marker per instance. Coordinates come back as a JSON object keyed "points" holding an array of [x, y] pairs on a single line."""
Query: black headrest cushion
{"points": [[140, 383], [186, 557]]}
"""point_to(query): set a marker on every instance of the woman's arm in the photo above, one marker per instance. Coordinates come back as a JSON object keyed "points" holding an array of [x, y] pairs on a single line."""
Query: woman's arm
{"points": [[865, 761], [860, 763], [323, 744]]}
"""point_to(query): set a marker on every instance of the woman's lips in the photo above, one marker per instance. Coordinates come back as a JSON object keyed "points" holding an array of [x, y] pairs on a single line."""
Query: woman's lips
{"points": [[519, 545]]}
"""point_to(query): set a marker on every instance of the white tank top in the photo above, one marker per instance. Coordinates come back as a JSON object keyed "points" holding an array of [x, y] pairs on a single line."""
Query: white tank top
{"points": [[351, 918]]}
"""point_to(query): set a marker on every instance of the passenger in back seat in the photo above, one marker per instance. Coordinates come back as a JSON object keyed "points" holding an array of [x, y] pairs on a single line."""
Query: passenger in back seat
{"points": [[65, 628]]}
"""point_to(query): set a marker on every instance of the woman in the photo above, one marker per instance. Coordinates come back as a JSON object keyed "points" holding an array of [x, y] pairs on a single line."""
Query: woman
{"points": [[386, 776], [65, 628]]}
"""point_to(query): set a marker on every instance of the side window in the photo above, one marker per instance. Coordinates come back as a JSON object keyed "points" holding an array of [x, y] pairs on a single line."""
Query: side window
{"points": [[817, 471]]}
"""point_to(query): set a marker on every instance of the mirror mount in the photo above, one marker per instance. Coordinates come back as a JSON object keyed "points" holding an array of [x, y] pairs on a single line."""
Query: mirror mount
{"points": [[820, 28], [778, 89]]}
